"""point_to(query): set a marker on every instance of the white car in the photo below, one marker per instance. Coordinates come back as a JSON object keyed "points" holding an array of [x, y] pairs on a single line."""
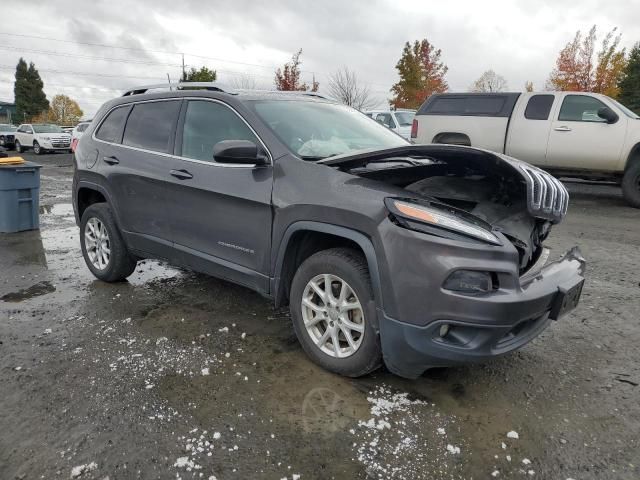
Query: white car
{"points": [[41, 137], [7, 135], [77, 133], [399, 121], [570, 134]]}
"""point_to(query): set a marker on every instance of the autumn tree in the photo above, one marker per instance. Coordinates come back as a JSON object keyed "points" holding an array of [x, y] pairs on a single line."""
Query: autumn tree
{"points": [[421, 74], [345, 87], [28, 90], [577, 70], [528, 86], [64, 111], [489, 81], [202, 75], [288, 78], [630, 84]]}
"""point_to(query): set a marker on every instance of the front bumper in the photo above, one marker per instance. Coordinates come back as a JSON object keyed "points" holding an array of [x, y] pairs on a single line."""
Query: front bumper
{"points": [[486, 326]]}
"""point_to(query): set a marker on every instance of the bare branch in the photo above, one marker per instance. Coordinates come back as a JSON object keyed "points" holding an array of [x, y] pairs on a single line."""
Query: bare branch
{"points": [[345, 87]]}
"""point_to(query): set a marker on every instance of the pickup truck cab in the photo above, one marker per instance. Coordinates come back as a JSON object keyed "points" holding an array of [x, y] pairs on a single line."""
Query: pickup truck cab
{"points": [[42, 138], [570, 134]]}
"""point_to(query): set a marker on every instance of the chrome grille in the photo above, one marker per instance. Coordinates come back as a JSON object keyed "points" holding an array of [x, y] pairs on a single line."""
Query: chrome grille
{"points": [[546, 196], [60, 142]]}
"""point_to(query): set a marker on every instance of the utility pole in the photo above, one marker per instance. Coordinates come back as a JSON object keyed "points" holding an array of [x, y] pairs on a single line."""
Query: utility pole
{"points": [[169, 80], [184, 75]]}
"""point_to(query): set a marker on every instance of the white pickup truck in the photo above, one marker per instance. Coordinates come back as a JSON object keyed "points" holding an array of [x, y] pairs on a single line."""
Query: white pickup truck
{"points": [[570, 134]]}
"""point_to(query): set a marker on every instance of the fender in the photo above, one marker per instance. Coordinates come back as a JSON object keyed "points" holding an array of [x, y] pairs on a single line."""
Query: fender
{"points": [[634, 156], [98, 188], [363, 241]]}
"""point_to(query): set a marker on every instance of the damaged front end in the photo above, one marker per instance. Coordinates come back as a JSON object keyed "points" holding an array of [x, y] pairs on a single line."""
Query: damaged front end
{"points": [[484, 191]]}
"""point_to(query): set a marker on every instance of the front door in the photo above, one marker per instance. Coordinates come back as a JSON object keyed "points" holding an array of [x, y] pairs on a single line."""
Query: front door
{"points": [[581, 140], [220, 213]]}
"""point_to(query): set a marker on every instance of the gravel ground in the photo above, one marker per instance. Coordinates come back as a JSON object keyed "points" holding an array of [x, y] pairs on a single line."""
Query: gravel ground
{"points": [[178, 375]]}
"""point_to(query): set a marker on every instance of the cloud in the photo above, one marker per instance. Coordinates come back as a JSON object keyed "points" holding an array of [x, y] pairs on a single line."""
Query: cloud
{"points": [[519, 40]]}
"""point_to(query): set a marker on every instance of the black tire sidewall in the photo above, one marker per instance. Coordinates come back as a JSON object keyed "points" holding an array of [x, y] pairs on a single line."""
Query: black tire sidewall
{"points": [[630, 189], [37, 150], [368, 356], [121, 264]]}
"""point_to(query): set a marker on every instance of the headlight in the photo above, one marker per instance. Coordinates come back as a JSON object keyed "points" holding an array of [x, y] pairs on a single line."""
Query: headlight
{"points": [[46, 138], [413, 215]]}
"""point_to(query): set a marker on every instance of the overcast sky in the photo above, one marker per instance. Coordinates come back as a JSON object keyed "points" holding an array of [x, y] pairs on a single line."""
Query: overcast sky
{"points": [[519, 39]]}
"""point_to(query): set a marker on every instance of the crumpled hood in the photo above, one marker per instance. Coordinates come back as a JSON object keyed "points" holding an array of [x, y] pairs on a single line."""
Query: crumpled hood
{"points": [[547, 198]]}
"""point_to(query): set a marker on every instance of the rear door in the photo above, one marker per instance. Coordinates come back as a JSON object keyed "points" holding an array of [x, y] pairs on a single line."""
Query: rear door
{"points": [[136, 164], [221, 213], [529, 128], [579, 139]]}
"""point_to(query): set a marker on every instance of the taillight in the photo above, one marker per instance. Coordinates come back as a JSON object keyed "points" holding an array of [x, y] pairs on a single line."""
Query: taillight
{"points": [[414, 128]]}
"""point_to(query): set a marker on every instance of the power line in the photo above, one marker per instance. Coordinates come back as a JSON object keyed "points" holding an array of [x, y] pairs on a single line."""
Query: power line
{"points": [[217, 59]]}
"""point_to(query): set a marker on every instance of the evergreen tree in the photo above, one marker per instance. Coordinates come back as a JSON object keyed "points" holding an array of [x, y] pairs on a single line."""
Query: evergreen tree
{"points": [[202, 75], [30, 99], [630, 84]]}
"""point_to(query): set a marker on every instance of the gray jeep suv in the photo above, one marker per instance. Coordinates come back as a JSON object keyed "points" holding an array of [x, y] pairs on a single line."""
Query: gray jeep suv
{"points": [[413, 255]]}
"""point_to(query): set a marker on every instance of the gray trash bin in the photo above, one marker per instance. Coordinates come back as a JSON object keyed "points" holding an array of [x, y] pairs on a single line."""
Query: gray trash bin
{"points": [[19, 197]]}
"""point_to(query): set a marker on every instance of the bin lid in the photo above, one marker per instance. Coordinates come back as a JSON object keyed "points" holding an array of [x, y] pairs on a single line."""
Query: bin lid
{"points": [[18, 166]]}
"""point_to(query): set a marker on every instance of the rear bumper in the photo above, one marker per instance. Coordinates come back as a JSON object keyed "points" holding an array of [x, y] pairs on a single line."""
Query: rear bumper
{"points": [[486, 327]]}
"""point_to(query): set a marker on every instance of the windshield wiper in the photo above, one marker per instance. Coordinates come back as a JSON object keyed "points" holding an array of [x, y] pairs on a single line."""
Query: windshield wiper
{"points": [[315, 158]]}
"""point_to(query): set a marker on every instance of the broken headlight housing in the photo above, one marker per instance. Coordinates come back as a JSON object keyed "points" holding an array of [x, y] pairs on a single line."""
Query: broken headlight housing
{"points": [[439, 219]]}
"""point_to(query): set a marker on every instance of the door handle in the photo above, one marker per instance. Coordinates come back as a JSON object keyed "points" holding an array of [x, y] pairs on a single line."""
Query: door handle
{"points": [[562, 129], [181, 174], [111, 160]]}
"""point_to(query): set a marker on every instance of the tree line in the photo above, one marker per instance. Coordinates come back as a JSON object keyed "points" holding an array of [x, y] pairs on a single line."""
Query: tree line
{"points": [[582, 65]]}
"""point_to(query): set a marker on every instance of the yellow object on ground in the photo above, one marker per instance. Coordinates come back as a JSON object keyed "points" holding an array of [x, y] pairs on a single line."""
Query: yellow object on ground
{"points": [[11, 161]]}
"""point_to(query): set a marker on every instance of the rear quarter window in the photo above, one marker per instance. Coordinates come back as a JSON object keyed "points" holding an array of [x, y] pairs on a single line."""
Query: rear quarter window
{"points": [[111, 128], [539, 107]]}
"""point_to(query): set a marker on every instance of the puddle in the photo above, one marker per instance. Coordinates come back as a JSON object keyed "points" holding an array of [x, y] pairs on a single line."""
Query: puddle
{"points": [[40, 288]]}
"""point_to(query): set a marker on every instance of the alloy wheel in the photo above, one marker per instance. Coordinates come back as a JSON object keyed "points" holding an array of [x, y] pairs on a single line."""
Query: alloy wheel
{"points": [[333, 315], [97, 244]]}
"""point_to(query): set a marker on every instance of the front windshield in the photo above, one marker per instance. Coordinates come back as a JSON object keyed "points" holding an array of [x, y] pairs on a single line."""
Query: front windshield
{"points": [[47, 129], [315, 130], [7, 128], [625, 110], [405, 119]]}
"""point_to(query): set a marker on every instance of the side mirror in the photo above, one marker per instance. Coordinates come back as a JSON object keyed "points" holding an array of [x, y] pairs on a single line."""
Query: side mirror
{"points": [[242, 152], [607, 114]]}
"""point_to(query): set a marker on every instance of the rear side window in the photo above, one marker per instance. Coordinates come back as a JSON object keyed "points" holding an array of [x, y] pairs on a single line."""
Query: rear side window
{"points": [[82, 127], [151, 125], [471, 105], [111, 128], [580, 108], [539, 107], [207, 123]]}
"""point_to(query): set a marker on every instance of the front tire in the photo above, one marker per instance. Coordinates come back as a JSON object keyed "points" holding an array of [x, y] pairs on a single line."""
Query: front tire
{"points": [[19, 148], [37, 149], [334, 313], [104, 251], [631, 185]]}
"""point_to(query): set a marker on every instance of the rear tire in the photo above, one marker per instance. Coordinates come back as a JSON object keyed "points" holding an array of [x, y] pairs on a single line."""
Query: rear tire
{"points": [[18, 147], [354, 316], [104, 251], [631, 185]]}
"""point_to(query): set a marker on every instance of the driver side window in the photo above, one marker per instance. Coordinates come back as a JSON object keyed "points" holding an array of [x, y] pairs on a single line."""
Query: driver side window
{"points": [[581, 108], [207, 123]]}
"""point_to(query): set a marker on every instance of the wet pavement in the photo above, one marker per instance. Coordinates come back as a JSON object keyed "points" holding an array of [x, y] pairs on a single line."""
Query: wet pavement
{"points": [[178, 375]]}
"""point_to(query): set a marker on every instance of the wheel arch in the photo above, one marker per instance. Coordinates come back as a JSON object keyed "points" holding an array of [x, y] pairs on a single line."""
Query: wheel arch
{"points": [[452, 138], [303, 239], [88, 193], [633, 157]]}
